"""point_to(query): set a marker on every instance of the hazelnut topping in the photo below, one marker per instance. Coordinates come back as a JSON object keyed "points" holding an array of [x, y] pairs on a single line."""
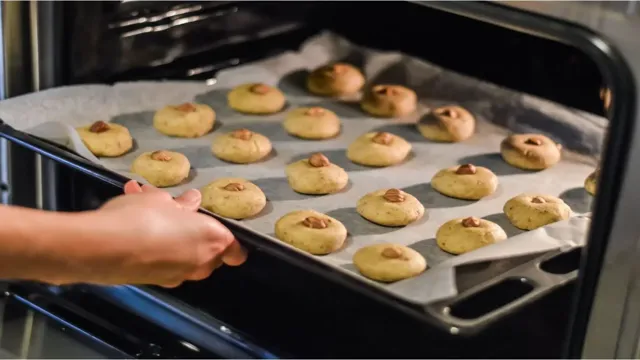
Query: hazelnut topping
{"points": [[391, 252], [260, 89], [314, 111], [394, 195], [315, 223], [448, 112], [242, 134], [471, 222], [160, 155], [534, 141], [466, 169], [186, 107], [99, 127], [538, 200], [339, 68], [383, 138], [234, 187], [318, 160]]}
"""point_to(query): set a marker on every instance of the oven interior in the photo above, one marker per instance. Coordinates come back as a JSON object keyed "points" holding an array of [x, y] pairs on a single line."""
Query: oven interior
{"points": [[290, 310]]}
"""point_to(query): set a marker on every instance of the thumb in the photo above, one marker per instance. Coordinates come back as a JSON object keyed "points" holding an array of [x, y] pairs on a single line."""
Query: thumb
{"points": [[190, 200]]}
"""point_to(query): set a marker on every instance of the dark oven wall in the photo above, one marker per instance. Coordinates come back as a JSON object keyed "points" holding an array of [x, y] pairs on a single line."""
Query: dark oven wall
{"points": [[115, 41]]}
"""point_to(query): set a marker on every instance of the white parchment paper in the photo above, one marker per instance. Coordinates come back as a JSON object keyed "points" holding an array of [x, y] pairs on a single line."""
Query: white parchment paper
{"points": [[53, 114]]}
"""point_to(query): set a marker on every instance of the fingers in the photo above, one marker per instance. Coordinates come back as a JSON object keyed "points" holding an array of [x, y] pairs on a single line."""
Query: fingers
{"points": [[132, 187], [190, 200], [235, 254]]}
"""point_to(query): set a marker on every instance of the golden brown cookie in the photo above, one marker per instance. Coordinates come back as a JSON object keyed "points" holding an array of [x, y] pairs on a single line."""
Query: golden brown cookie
{"points": [[389, 101], [378, 149], [188, 120], [462, 235], [256, 98], [313, 123], [316, 176], [335, 80], [311, 231], [468, 182], [530, 151], [241, 146], [447, 124], [233, 198], [531, 211], [162, 168], [106, 139], [591, 182], [389, 262], [390, 207]]}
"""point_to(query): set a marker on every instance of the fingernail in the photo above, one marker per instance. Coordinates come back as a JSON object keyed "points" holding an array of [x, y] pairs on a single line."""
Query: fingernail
{"points": [[192, 196]]}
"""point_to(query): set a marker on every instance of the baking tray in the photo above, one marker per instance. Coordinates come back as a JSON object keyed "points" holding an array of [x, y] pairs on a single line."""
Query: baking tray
{"points": [[521, 266]]}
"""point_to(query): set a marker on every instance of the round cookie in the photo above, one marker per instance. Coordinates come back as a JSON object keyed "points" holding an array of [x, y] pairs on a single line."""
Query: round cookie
{"points": [[390, 207], [530, 151], [389, 101], [316, 176], [335, 80], [311, 231], [591, 182], [233, 198], [389, 262], [530, 211], [447, 124], [378, 149], [466, 182], [187, 120], [459, 236], [241, 146], [256, 98], [162, 168], [314, 123], [106, 139]]}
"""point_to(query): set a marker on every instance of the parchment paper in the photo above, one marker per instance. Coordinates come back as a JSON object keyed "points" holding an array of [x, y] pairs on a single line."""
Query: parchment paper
{"points": [[52, 114]]}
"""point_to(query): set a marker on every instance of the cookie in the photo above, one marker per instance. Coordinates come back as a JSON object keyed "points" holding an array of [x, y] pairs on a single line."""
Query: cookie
{"points": [[259, 99], [378, 149], [591, 182], [233, 198], [447, 124], [459, 236], [188, 120], [241, 146], [162, 168], [531, 211], [530, 151], [316, 176], [311, 231], [335, 80], [106, 139], [390, 207], [389, 101], [466, 182], [313, 123], [389, 262]]}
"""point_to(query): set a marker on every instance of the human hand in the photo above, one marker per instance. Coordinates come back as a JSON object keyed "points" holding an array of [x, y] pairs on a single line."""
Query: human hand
{"points": [[151, 238]]}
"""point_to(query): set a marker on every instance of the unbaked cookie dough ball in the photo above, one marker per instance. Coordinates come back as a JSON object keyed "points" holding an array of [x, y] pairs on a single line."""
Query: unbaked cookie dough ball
{"points": [[459, 236], [389, 262], [591, 182], [468, 182], [316, 176], [311, 231], [530, 151], [162, 168], [259, 99], [447, 124], [188, 120], [531, 211], [233, 198], [378, 149], [241, 146], [335, 80], [389, 101], [312, 123], [390, 207], [106, 139]]}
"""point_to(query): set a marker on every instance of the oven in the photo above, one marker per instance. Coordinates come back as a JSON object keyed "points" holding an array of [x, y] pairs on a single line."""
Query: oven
{"points": [[279, 304]]}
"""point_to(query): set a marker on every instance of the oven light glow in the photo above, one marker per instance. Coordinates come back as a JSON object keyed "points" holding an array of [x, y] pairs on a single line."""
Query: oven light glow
{"points": [[189, 346]]}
